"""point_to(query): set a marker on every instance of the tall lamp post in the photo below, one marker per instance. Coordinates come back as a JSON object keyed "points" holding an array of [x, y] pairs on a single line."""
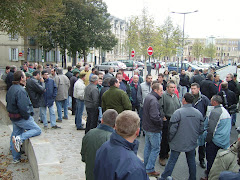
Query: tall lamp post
{"points": [[184, 13]]}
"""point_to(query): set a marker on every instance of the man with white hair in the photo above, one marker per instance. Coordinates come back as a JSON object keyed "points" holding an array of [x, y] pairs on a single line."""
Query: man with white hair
{"points": [[91, 100]]}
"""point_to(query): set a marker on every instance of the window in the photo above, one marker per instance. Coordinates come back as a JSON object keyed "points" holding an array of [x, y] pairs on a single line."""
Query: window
{"points": [[13, 37], [32, 55], [13, 54]]}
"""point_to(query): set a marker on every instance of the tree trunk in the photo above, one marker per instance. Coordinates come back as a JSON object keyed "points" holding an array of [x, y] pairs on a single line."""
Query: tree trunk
{"points": [[84, 56], [74, 58]]}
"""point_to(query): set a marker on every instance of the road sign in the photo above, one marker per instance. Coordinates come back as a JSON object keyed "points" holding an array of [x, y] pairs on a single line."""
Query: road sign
{"points": [[150, 50], [132, 53], [20, 54]]}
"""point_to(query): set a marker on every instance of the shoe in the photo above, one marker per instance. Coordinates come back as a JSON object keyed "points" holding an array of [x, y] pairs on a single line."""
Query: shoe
{"points": [[81, 128], [58, 120], [154, 174], [15, 161], [202, 164], [238, 129], [162, 162], [17, 143], [233, 124], [45, 127], [65, 118], [204, 178], [56, 127], [143, 133], [48, 121]]}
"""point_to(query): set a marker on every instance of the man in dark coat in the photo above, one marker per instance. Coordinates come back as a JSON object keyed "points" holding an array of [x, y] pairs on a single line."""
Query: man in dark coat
{"points": [[73, 79], [93, 140], [134, 89], [9, 77], [49, 98], [35, 88], [117, 158], [183, 84], [69, 74], [207, 87], [152, 125], [197, 78]]}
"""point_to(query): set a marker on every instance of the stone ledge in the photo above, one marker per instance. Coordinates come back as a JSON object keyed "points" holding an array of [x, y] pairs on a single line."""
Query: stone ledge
{"points": [[41, 154]]}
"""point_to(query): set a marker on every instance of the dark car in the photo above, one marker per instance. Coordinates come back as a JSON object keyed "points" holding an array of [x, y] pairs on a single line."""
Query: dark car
{"points": [[173, 66]]}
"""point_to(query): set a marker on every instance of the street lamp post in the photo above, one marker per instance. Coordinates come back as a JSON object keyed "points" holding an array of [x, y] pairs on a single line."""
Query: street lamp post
{"points": [[184, 13]]}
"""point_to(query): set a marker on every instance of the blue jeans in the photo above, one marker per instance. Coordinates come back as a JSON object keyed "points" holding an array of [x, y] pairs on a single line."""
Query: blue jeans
{"points": [[61, 104], [151, 149], [51, 113], [100, 114], [79, 113], [19, 128], [172, 161], [234, 117], [69, 100], [183, 90]]}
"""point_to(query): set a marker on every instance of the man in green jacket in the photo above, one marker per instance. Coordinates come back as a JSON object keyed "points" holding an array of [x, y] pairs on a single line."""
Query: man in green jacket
{"points": [[115, 98], [93, 140]]}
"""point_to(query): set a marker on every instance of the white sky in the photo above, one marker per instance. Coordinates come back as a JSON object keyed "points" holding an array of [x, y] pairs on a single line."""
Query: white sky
{"points": [[216, 18]]}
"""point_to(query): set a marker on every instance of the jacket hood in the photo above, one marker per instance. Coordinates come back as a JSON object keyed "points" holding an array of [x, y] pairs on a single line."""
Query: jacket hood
{"points": [[120, 141]]}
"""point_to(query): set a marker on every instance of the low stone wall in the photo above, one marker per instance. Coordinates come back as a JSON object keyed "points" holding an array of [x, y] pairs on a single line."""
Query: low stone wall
{"points": [[41, 154]]}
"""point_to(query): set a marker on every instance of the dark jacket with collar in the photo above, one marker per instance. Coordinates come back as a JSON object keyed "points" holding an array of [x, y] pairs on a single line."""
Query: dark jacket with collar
{"points": [[18, 102], [51, 92], [231, 97], [134, 90], [103, 90], [69, 74], [35, 91], [184, 80], [201, 104], [117, 160], [196, 79], [91, 142], [233, 87], [152, 119], [208, 88], [73, 79]]}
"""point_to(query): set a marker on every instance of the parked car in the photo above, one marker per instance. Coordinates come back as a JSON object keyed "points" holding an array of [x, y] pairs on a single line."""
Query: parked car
{"points": [[120, 65], [185, 64], [106, 65], [201, 65], [140, 65], [131, 65]]}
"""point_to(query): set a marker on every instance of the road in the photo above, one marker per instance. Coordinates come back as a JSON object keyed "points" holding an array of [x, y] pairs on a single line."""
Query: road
{"points": [[180, 171]]}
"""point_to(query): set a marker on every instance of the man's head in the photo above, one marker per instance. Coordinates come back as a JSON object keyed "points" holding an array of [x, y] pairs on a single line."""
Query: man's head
{"points": [[128, 124], [100, 81], [19, 77], [210, 76], [69, 68], [109, 117], [205, 71], [157, 88], [111, 70], [183, 72], [78, 66], [195, 88], [213, 70], [234, 76], [114, 82], [160, 78], [53, 72], [40, 67], [76, 73], [136, 72], [119, 76], [82, 76], [188, 98], [189, 69], [35, 65], [229, 77], [224, 85], [100, 74], [7, 69], [13, 68], [94, 79], [149, 79], [36, 74], [59, 71], [216, 77], [135, 79], [45, 74], [171, 88], [216, 100], [86, 68], [196, 71]]}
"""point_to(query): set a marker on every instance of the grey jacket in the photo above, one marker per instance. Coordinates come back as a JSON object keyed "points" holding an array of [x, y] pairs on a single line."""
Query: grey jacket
{"points": [[91, 96], [63, 85], [186, 124], [169, 104], [143, 90]]}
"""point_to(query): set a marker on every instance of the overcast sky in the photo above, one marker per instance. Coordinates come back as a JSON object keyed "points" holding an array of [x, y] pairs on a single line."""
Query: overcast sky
{"points": [[216, 18]]}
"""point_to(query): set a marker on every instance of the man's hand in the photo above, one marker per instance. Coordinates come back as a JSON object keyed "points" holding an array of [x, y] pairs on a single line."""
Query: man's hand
{"points": [[164, 118], [41, 80]]}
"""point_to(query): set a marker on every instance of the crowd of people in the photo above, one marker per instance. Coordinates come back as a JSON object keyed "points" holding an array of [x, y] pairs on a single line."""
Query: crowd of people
{"points": [[176, 113]]}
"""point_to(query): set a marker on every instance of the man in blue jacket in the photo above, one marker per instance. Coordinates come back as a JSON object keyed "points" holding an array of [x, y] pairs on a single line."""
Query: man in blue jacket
{"points": [[116, 159], [20, 111], [49, 97]]}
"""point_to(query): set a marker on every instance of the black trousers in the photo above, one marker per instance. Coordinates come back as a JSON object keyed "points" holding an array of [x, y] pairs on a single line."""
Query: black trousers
{"points": [[164, 143], [201, 152], [92, 118], [73, 106]]}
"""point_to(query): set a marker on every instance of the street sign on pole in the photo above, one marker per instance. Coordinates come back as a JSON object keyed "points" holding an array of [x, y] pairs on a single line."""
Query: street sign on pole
{"points": [[20, 54], [132, 53], [150, 50]]}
